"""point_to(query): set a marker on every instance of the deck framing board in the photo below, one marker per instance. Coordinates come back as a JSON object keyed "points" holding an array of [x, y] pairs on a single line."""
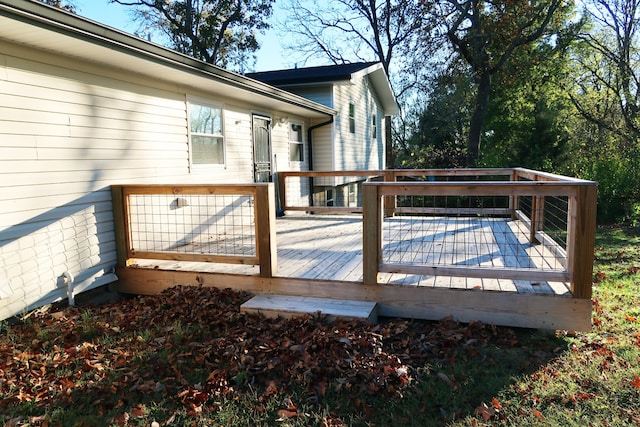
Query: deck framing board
{"points": [[491, 307]]}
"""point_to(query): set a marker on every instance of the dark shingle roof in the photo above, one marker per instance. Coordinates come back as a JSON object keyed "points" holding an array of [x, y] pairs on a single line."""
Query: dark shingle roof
{"points": [[326, 73]]}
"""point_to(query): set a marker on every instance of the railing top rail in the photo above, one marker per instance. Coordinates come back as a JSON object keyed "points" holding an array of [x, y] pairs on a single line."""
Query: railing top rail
{"points": [[199, 189], [452, 172], [333, 173], [511, 172], [533, 174], [483, 188]]}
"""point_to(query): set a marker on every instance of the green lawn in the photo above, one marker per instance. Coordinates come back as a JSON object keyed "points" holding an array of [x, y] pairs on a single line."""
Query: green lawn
{"points": [[188, 357]]}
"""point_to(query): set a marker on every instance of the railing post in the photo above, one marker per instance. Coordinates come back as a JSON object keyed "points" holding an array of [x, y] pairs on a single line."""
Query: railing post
{"points": [[265, 217], [121, 222], [281, 194], [390, 202], [581, 239], [371, 233], [514, 201]]}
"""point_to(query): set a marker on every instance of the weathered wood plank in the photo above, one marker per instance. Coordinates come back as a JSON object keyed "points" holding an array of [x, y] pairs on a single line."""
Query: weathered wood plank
{"points": [[290, 305], [499, 308]]}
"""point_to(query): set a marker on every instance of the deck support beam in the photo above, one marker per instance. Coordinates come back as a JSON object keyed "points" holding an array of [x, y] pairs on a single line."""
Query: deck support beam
{"points": [[490, 307]]}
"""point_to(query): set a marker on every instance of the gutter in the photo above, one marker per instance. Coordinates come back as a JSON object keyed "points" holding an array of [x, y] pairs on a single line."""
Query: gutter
{"points": [[310, 144]]}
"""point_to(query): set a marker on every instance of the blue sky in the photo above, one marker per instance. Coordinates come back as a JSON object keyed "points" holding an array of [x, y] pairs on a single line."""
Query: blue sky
{"points": [[270, 56]]}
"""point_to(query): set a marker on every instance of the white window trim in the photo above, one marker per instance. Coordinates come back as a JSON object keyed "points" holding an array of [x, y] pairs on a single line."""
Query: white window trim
{"points": [[303, 142], [374, 124], [199, 167], [351, 119]]}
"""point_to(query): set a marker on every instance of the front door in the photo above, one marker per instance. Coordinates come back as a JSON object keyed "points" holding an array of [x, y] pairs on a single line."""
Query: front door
{"points": [[261, 149]]}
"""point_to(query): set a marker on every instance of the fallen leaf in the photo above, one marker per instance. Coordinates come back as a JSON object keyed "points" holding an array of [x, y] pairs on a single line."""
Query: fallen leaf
{"points": [[496, 404], [636, 381], [537, 413], [485, 411], [285, 414]]}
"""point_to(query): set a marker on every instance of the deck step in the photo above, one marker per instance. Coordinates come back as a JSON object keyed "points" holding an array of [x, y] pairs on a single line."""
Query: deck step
{"points": [[289, 306]]}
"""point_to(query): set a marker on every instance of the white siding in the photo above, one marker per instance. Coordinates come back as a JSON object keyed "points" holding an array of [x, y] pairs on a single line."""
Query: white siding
{"points": [[68, 131], [320, 94], [359, 150]]}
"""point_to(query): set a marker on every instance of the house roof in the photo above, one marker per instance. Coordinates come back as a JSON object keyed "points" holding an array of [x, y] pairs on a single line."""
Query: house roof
{"points": [[34, 24], [335, 73]]}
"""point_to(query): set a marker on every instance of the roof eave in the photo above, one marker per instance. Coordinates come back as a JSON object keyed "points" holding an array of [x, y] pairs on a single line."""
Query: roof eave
{"points": [[52, 19]]}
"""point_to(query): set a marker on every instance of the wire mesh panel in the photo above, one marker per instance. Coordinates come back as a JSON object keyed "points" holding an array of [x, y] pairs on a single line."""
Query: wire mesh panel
{"points": [[463, 239], [192, 224]]}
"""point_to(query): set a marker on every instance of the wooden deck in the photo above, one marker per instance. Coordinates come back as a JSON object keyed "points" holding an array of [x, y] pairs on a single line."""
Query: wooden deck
{"points": [[329, 247], [522, 259]]}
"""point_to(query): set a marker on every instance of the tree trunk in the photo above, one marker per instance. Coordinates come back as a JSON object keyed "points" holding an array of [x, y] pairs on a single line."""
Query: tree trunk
{"points": [[477, 119]]}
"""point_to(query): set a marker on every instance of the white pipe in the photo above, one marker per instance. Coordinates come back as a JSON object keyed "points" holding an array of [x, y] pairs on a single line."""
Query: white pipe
{"points": [[68, 279]]}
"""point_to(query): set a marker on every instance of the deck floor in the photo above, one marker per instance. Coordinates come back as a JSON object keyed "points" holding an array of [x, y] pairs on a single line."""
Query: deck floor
{"points": [[329, 247]]}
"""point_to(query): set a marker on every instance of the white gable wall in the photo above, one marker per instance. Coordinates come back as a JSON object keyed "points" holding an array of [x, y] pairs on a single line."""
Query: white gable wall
{"points": [[68, 131], [358, 150]]}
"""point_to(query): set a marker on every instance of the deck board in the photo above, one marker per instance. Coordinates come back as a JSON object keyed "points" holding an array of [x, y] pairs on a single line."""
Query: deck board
{"points": [[329, 247]]}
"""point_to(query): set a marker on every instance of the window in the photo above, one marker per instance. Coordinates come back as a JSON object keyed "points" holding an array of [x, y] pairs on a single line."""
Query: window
{"points": [[207, 140], [352, 117], [296, 147], [374, 126]]}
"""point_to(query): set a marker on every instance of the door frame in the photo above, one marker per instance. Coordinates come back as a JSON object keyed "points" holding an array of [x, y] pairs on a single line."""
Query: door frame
{"points": [[269, 120]]}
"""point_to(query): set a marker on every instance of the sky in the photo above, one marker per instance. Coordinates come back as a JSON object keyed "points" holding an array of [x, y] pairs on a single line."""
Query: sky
{"points": [[270, 56]]}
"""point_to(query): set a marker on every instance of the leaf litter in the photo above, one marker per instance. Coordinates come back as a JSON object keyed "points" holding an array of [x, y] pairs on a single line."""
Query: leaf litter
{"points": [[192, 345]]}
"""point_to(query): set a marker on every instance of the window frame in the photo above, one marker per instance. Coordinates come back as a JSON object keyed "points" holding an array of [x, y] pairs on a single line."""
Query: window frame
{"points": [[352, 117], [300, 143], [212, 105], [374, 126]]}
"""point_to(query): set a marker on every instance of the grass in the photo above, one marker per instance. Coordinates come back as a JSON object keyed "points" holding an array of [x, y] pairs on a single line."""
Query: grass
{"points": [[188, 358]]}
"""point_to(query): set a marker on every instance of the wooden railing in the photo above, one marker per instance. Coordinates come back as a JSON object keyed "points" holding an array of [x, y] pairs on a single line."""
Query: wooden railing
{"points": [[527, 196], [232, 224], [238, 221]]}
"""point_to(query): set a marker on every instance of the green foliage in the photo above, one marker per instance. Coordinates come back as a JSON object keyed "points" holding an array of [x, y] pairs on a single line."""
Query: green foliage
{"points": [[528, 115], [439, 137], [222, 32]]}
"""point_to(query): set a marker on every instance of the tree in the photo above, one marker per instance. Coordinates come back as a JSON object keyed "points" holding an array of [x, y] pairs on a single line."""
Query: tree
{"points": [[607, 95], [529, 112], [611, 69], [344, 31], [218, 32], [61, 4], [486, 34], [437, 139]]}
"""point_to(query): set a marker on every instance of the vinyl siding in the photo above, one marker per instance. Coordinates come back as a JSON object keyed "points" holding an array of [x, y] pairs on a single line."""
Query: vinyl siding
{"points": [[69, 130], [358, 150], [317, 93]]}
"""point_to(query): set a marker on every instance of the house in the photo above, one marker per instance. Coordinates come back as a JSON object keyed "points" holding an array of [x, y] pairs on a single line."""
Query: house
{"points": [[85, 106], [363, 99]]}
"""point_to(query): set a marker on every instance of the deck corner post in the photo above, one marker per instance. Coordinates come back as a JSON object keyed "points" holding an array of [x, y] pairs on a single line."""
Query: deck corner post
{"points": [[371, 230], [265, 219], [581, 239], [120, 220]]}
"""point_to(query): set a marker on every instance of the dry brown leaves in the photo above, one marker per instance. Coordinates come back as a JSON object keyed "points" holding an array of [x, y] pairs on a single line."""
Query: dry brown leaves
{"points": [[192, 344]]}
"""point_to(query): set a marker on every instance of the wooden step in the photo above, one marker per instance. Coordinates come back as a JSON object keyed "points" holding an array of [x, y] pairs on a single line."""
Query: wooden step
{"points": [[289, 306]]}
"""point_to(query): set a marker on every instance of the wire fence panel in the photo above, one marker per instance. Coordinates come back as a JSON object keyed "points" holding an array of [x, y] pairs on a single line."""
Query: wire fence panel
{"points": [[459, 233], [192, 224]]}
